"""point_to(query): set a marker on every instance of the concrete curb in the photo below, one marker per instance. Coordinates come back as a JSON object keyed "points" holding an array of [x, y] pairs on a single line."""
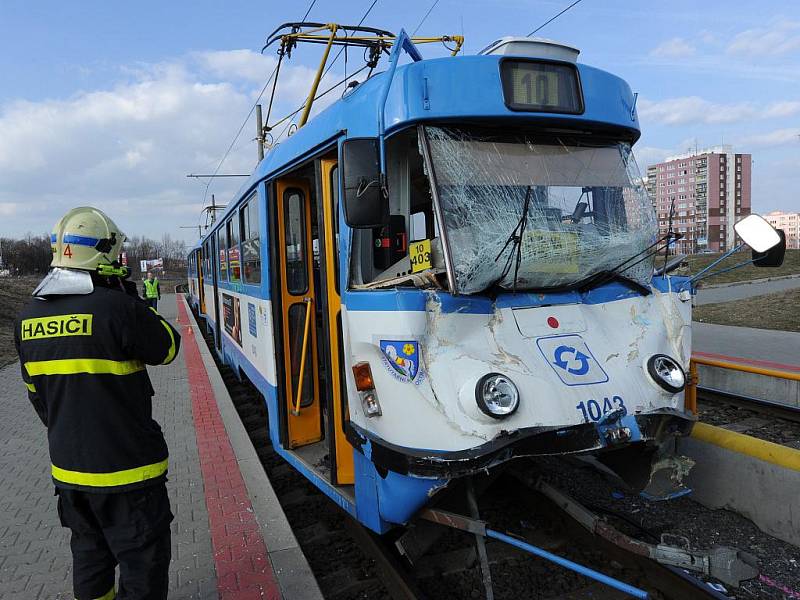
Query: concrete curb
{"points": [[294, 575], [754, 478], [748, 282]]}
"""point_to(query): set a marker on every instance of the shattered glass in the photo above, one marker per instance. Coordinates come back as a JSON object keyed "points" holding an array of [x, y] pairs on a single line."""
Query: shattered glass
{"points": [[587, 210]]}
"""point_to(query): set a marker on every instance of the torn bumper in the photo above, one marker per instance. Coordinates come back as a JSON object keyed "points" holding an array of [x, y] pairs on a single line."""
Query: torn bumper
{"points": [[640, 434]]}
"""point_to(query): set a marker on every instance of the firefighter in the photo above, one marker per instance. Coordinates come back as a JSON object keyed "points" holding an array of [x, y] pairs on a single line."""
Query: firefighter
{"points": [[83, 342], [152, 291]]}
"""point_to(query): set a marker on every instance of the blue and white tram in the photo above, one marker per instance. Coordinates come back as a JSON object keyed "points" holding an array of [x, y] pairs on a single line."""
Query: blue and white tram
{"points": [[195, 279], [448, 268]]}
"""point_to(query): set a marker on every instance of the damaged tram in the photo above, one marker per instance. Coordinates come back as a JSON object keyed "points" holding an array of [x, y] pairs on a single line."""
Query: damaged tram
{"points": [[450, 267]]}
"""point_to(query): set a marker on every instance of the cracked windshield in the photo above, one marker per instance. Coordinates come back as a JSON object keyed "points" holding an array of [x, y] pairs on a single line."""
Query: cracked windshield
{"points": [[524, 212]]}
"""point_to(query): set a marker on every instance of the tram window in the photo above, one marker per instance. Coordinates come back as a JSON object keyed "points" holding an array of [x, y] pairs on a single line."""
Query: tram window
{"points": [[335, 194], [295, 234], [251, 243], [207, 261], [382, 253], [222, 246], [234, 264], [297, 322]]}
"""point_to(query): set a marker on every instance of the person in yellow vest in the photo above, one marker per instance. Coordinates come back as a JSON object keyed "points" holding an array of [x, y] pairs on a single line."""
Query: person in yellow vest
{"points": [[83, 342], [152, 291]]}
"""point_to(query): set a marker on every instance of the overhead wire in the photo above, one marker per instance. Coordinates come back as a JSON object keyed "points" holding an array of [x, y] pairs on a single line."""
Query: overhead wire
{"points": [[249, 114], [305, 16], [425, 18], [317, 97], [339, 53], [553, 18], [325, 72]]}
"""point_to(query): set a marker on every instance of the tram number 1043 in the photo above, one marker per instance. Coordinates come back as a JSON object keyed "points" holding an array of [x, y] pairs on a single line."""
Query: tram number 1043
{"points": [[593, 410]]}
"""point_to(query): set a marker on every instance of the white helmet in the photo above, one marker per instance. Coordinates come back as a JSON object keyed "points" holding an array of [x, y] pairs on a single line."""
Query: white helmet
{"points": [[85, 238]]}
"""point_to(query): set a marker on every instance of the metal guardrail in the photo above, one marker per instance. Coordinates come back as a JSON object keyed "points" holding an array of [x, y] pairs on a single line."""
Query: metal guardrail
{"points": [[691, 389], [723, 364]]}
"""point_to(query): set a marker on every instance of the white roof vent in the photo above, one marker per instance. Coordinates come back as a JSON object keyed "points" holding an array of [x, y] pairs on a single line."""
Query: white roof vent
{"points": [[532, 48]]}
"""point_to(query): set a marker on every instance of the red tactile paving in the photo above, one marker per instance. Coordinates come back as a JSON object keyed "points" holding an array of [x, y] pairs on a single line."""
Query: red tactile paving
{"points": [[750, 361], [244, 571]]}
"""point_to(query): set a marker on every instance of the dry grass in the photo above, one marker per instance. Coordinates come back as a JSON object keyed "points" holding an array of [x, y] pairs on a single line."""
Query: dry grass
{"points": [[780, 310], [13, 294], [791, 266]]}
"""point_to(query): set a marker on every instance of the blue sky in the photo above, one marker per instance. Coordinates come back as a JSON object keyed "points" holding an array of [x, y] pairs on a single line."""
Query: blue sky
{"points": [[113, 104]]}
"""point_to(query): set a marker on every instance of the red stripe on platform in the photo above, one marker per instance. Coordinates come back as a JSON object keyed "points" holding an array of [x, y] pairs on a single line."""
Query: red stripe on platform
{"points": [[244, 571], [749, 361]]}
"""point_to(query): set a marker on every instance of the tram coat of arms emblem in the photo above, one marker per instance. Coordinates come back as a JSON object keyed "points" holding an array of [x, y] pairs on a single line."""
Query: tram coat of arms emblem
{"points": [[401, 358]]}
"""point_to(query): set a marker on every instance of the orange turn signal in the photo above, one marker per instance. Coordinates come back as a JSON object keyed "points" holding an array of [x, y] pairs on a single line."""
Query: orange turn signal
{"points": [[363, 375]]}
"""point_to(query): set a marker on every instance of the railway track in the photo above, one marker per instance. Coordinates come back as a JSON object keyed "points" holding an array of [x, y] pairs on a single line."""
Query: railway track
{"points": [[758, 418], [350, 562], [771, 409]]}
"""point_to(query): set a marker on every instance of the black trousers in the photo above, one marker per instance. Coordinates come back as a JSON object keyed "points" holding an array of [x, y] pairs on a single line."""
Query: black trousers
{"points": [[129, 529], [152, 302]]}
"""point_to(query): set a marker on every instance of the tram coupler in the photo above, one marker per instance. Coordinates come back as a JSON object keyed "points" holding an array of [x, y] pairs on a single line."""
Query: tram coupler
{"points": [[729, 565]]}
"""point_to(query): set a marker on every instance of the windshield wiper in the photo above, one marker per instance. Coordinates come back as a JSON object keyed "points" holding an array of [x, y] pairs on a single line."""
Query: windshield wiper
{"points": [[515, 240], [607, 276], [615, 274]]}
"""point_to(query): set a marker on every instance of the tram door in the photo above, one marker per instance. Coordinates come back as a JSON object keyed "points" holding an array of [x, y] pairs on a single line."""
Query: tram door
{"points": [[298, 308], [201, 293], [215, 272], [340, 449]]}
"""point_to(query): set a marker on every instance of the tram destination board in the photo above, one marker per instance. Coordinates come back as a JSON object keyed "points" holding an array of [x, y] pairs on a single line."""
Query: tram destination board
{"points": [[539, 86]]}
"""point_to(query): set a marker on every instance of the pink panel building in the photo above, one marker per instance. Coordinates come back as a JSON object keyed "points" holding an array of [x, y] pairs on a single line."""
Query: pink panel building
{"points": [[710, 190], [789, 222]]}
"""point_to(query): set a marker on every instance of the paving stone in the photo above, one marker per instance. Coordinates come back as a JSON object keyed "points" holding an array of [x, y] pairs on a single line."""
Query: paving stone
{"points": [[35, 559]]}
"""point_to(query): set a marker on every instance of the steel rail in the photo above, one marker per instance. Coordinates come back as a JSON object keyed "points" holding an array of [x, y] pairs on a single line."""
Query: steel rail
{"points": [[665, 578], [773, 409], [399, 583]]}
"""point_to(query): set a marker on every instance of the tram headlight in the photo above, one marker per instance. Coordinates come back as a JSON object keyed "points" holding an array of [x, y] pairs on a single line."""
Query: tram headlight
{"points": [[667, 373], [497, 396]]}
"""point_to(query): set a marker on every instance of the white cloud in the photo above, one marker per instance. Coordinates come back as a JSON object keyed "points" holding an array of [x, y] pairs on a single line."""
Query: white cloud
{"points": [[676, 47], [649, 155], [782, 109], [778, 137], [780, 37], [693, 109], [241, 64], [127, 148], [8, 209]]}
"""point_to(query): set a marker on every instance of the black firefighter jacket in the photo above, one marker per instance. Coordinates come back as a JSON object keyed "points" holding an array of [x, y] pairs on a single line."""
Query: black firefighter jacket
{"points": [[83, 361]]}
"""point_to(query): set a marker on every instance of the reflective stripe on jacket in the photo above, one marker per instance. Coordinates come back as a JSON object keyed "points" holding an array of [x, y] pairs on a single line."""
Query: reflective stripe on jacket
{"points": [[151, 288], [83, 361]]}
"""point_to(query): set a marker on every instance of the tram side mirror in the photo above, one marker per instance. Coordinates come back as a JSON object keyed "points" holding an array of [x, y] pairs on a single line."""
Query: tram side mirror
{"points": [[757, 233], [772, 257], [365, 205]]}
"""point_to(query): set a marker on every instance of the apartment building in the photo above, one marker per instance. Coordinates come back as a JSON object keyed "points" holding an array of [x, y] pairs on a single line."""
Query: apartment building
{"points": [[710, 191], [789, 222]]}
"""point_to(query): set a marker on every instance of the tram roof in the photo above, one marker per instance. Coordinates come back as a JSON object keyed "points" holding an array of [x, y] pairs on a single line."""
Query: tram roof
{"points": [[458, 89]]}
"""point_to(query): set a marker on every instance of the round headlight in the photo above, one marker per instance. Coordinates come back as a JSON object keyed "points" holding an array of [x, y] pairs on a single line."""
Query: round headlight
{"points": [[666, 372], [497, 396]]}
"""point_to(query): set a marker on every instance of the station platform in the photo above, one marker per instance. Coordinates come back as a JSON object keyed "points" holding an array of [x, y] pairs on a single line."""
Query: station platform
{"points": [[767, 348], [230, 538]]}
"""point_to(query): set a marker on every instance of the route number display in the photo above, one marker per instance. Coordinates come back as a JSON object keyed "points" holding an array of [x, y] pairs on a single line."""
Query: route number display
{"points": [[539, 86]]}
